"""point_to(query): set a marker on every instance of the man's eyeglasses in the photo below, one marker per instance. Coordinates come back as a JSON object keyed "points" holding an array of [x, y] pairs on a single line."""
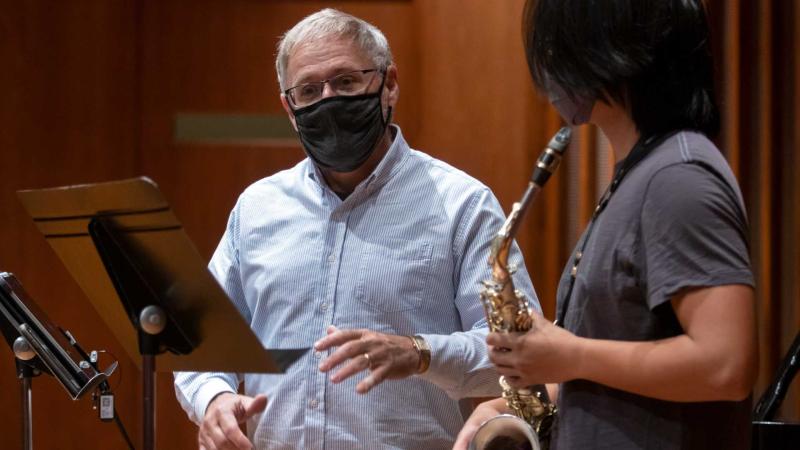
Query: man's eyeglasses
{"points": [[348, 83]]}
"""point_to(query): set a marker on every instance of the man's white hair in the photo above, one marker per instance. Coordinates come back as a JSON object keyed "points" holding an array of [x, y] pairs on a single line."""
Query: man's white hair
{"points": [[330, 23]]}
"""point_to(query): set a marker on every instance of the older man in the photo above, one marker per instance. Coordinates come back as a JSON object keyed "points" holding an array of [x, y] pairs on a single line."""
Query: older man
{"points": [[367, 250]]}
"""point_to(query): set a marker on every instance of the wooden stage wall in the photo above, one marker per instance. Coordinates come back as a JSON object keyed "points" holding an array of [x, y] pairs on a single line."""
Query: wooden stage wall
{"points": [[91, 91]]}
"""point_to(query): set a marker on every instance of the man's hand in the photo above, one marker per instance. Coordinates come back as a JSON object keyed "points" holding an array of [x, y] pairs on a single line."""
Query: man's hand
{"points": [[545, 354], [480, 414], [220, 428], [386, 356]]}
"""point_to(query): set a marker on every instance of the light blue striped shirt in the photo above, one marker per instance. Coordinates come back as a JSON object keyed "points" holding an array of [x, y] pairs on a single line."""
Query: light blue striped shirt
{"points": [[403, 254]]}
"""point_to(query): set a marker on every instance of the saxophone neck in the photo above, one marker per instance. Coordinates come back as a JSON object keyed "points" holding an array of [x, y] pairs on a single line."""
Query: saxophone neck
{"points": [[501, 244]]}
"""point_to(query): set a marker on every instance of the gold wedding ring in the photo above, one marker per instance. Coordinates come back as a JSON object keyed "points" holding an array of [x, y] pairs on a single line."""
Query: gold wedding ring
{"points": [[369, 361]]}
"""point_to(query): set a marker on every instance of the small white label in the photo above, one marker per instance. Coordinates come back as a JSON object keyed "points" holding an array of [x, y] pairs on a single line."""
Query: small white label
{"points": [[106, 407]]}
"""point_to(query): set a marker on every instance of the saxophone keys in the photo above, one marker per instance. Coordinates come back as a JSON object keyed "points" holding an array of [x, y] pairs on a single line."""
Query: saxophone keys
{"points": [[524, 323]]}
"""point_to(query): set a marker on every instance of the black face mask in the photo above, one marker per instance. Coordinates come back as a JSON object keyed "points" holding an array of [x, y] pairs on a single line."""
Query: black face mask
{"points": [[340, 133]]}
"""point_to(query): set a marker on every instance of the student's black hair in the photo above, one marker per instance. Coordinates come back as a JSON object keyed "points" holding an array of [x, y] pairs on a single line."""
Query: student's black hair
{"points": [[652, 56]]}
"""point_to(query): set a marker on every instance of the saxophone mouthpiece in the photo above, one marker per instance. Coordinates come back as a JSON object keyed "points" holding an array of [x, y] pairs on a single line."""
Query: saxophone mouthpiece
{"points": [[561, 139], [551, 156]]}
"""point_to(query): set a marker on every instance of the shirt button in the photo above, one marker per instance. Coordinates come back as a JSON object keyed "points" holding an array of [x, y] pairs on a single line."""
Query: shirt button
{"points": [[318, 354], [331, 258], [313, 403], [323, 306]]}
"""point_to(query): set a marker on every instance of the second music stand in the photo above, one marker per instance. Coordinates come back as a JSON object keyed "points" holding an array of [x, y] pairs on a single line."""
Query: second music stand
{"points": [[128, 252]]}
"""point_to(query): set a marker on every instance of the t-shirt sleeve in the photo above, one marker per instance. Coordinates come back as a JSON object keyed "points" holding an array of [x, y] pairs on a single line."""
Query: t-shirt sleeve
{"points": [[693, 234]]}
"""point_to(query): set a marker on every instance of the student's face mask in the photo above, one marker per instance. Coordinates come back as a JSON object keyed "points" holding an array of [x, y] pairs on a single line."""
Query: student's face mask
{"points": [[574, 112]]}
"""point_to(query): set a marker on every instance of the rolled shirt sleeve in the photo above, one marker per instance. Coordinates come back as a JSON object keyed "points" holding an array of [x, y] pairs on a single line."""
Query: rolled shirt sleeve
{"points": [[459, 361]]}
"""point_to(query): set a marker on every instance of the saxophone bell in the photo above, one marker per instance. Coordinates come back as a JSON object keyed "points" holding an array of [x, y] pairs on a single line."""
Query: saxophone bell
{"points": [[505, 432]]}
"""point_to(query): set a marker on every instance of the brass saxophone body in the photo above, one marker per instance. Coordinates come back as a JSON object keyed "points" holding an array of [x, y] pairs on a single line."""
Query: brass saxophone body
{"points": [[507, 310]]}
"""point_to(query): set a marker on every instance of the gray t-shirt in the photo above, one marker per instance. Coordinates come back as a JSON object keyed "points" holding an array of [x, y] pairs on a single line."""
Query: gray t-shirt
{"points": [[676, 221]]}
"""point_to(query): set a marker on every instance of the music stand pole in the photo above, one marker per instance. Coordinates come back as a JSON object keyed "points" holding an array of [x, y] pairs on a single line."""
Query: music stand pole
{"points": [[149, 401], [23, 352], [27, 417], [152, 321]]}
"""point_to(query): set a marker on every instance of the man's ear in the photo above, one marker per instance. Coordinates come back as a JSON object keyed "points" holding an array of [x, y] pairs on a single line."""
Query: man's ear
{"points": [[288, 110], [391, 90]]}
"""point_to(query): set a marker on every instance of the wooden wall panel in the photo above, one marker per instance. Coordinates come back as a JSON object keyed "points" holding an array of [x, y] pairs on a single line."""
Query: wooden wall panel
{"points": [[763, 214], [784, 83], [791, 264], [756, 51], [478, 112], [69, 115], [729, 49]]}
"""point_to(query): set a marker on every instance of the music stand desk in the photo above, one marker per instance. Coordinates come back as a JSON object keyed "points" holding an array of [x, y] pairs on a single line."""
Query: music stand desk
{"points": [[130, 255]]}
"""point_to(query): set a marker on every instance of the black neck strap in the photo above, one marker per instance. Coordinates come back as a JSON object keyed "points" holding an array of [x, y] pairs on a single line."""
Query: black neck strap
{"points": [[642, 148]]}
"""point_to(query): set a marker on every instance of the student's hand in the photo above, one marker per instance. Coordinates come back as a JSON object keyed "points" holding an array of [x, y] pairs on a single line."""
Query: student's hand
{"points": [[384, 356], [544, 354], [481, 414], [220, 428]]}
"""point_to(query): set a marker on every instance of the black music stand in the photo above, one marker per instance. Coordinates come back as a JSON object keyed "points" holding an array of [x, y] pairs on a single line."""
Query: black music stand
{"points": [[41, 347], [767, 433], [123, 245]]}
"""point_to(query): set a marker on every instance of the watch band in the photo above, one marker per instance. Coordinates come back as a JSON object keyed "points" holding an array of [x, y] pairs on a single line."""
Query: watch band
{"points": [[424, 352]]}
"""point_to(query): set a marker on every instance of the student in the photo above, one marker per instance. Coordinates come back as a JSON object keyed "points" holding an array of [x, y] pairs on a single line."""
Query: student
{"points": [[658, 347]]}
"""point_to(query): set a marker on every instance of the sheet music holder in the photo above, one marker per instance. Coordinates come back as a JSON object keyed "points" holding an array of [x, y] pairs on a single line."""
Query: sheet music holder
{"points": [[128, 252]]}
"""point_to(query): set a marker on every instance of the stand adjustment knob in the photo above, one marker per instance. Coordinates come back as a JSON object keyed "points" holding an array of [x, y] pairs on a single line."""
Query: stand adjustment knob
{"points": [[152, 320], [23, 350]]}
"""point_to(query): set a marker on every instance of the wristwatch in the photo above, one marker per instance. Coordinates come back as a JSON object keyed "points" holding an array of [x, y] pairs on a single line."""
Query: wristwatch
{"points": [[424, 352]]}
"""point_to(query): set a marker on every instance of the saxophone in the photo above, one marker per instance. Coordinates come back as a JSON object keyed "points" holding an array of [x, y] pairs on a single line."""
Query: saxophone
{"points": [[507, 310]]}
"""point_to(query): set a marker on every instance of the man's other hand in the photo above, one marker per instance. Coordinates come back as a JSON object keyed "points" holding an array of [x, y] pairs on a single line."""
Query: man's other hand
{"points": [[385, 356], [220, 428], [481, 414]]}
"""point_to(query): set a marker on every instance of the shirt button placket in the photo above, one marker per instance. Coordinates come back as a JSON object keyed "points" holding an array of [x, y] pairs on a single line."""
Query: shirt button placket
{"points": [[314, 430]]}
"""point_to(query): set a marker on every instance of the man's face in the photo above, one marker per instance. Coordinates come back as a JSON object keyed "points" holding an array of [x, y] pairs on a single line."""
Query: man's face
{"points": [[324, 59]]}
